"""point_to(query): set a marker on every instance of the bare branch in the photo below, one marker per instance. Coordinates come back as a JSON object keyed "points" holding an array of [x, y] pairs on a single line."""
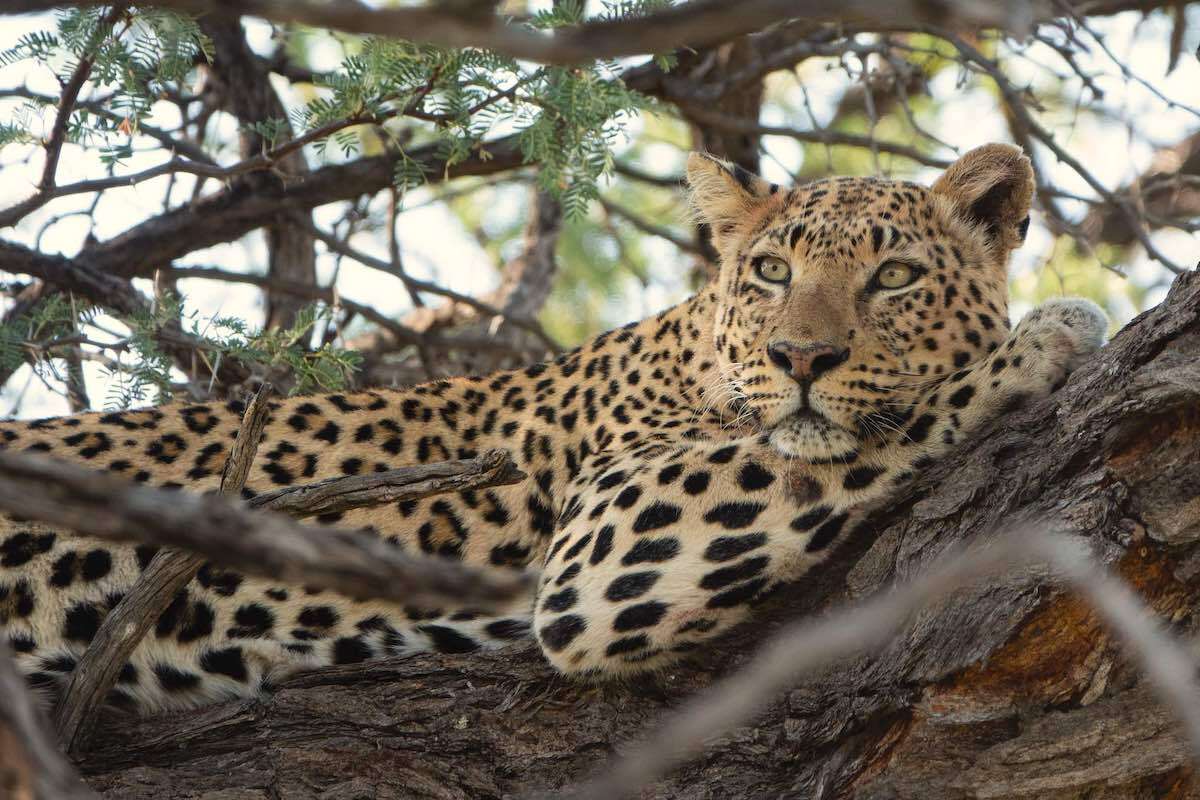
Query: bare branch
{"points": [[243, 85], [634, 173], [695, 24], [164, 577], [235, 211], [646, 226], [525, 283], [174, 145], [31, 765], [417, 285], [817, 135], [66, 104], [1167, 195], [401, 333], [262, 162], [352, 563], [1035, 129]]}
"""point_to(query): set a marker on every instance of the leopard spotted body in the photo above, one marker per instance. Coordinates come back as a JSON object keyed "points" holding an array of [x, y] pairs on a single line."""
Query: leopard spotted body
{"points": [[680, 468]]}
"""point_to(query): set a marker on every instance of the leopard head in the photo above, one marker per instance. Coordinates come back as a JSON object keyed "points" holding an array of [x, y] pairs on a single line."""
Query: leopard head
{"points": [[839, 300]]}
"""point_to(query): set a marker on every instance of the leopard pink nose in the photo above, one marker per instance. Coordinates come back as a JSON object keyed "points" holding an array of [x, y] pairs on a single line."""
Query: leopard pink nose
{"points": [[806, 362]]}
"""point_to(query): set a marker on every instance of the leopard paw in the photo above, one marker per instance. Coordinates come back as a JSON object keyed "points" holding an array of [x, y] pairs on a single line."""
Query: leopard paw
{"points": [[1059, 335]]}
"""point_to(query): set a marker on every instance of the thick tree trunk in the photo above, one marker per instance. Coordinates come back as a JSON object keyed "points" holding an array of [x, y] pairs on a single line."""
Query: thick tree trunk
{"points": [[1007, 689]]}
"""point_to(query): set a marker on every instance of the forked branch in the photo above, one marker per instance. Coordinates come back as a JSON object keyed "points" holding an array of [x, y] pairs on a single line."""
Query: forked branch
{"points": [[164, 577]]}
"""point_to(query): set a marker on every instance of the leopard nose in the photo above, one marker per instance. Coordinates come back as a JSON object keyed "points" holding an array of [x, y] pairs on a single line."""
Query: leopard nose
{"points": [[806, 362]]}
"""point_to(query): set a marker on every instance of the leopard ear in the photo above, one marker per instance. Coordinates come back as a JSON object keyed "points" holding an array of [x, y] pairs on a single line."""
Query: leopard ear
{"points": [[991, 186], [722, 193]]}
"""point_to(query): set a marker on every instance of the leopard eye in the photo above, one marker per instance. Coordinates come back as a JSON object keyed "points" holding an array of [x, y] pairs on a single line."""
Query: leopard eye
{"points": [[895, 275], [774, 270]]}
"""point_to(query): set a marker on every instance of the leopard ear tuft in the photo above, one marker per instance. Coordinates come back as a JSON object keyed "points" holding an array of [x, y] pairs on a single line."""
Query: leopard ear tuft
{"points": [[721, 193], [992, 186]]}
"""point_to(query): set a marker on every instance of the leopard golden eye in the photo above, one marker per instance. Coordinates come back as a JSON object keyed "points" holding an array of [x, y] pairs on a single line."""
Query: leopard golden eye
{"points": [[895, 275], [774, 270]]}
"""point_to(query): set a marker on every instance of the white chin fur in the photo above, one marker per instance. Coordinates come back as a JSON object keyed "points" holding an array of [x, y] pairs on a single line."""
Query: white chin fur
{"points": [[813, 439]]}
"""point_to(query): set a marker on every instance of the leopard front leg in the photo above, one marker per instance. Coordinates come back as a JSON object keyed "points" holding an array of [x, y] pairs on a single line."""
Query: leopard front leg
{"points": [[658, 553]]}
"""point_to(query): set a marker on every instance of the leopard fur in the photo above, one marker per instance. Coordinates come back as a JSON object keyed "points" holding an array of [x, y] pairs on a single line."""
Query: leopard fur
{"points": [[680, 468]]}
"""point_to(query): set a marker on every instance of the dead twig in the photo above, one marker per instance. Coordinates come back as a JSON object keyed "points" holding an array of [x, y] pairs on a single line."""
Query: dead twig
{"points": [[269, 545], [166, 575], [336, 495], [30, 763]]}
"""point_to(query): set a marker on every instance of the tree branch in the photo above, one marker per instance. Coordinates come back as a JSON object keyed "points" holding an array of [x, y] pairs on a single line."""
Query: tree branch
{"points": [[818, 136], [179, 146], [269, 161], [117, 294], [646, 226], [31, 765], [1030, 125], [400, 333], [525, 284], [806, 645], [165, 576], [1010, 687], [70, 93], [240, 208], [695, 24], [1167, 194], [352, 563], [244, 86], [417, 285]]}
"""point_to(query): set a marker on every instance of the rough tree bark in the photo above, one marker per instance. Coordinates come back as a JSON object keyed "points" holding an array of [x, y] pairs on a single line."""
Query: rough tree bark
{"points": [[1007, 689]]}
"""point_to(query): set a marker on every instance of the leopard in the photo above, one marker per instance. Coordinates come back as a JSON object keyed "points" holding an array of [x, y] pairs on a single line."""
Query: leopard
{"points": [[678, 470]]}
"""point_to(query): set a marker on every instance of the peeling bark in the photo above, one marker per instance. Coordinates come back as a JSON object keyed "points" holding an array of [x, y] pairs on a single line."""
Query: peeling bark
{"points": [[1007, 689]]}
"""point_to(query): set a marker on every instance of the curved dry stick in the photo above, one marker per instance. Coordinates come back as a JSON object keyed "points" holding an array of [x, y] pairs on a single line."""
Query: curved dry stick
{"points": [[335, 495], [40, 768], [165, 576]]}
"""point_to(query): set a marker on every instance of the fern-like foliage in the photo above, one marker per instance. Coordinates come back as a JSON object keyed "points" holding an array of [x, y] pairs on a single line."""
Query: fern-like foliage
{"points": [[399, 93], [567, 118], [137, 368]]}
